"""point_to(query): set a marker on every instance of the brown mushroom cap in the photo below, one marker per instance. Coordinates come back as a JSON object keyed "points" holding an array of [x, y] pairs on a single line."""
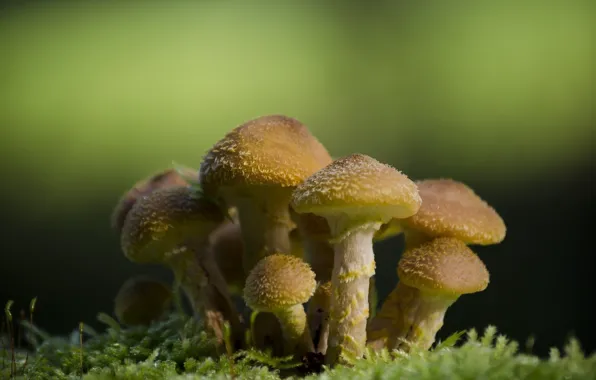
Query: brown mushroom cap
{"points": [[444, 266], [271, 150], [360, 186], [162, 221], [141, 300], [450, 208], [279, 281], [161, 180]]}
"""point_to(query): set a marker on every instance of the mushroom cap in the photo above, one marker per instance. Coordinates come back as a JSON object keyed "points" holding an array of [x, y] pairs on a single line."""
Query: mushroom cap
{"points": [[161, 180], [279, 281], [162, 222], [359, 186], [450, 208], [228, 249], [273, 150], [142, 300], [443, 266]]}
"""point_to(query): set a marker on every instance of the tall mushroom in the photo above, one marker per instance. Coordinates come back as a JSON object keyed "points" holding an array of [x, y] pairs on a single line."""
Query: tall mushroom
{"points": [[280, 284], [432, 277], [451, 208], [356, 194], [171, 227], [255, 168]]}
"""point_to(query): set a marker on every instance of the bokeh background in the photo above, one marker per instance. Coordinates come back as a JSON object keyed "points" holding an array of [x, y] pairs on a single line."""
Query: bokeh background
{"points": [[96, 95]]}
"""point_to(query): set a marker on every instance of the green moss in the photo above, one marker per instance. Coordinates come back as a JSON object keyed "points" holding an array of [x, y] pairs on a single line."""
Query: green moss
{"points": [[178, 348]]}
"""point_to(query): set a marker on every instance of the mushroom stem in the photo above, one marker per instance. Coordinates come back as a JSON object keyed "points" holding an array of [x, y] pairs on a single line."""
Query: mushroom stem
{"points": [[409, 317], [293, 324], [354, 265], [265, 223], [205, 298]]}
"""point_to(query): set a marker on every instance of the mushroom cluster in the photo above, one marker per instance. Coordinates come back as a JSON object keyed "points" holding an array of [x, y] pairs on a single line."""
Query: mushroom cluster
{"points": [[302, 233]]}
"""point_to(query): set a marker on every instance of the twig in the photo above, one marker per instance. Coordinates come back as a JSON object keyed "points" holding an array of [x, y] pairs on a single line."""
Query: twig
{"points": [[81, 328], [229, 349], [31, 311], [13, 363]]}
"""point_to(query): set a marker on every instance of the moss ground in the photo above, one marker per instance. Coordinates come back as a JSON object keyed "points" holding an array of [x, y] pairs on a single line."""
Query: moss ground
{"points": [[178, 348]]}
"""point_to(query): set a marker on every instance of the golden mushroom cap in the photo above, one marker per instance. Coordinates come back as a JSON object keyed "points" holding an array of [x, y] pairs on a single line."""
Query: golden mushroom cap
{"points": [[142, 300], [271, 150], [450, 208], [360, 186], [161, 180], [160, 223], [444, 266], [279, 281]]}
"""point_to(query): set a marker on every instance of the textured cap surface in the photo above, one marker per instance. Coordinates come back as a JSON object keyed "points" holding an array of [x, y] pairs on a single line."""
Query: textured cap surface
{"points": [[160, 222], [272, 150], [357, 185], [450, 208], [164, 179], [443, 265], [279, 281]]}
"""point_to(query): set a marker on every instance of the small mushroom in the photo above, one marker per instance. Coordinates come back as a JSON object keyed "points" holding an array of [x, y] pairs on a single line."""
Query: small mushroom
{"points": [[451, 208], [141, 301], [280, 284], [161, 180], [171, 227], [318, 316], [356, 194], [255, 168], [432, 277]]}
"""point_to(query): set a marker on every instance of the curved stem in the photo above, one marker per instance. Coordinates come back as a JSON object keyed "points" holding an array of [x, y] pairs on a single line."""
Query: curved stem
{"points": [[296, 334], [205, 297], [354, 264]]}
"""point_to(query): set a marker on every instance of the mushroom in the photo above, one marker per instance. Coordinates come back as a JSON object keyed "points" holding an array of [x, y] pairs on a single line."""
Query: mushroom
{"points": [[142, 300], [160, 180], [432, 277], [317, 316], [356, 194], [255, 168], [451, 208], [171, 227], [280, 284]]}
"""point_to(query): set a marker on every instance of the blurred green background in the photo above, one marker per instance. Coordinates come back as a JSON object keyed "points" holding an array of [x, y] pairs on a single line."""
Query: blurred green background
{"points": [[96, 95]]}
